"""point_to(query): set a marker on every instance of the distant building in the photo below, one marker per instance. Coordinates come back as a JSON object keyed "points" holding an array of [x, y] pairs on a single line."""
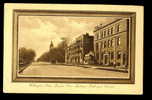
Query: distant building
{"points": [[77, 50], [111, 43], [51, 45]]}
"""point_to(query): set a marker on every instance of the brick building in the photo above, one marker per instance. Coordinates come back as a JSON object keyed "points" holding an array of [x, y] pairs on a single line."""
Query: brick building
{"points": [[77, 50], [111, 43]]}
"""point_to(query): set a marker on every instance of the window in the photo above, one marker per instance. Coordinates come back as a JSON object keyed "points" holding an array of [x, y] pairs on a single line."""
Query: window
{"points": [[118, 55], [104, 33], [112, 55], [106, 59], [97, 35], [105, 44], [124, 59], [109, 43], [118, 41], [97, 47], [112, 30], [113, 42], [118, 26], [108, 32], [101, 34]]}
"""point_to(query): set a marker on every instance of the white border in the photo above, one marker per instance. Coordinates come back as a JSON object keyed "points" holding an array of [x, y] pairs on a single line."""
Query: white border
{"points": [[72, 88]]}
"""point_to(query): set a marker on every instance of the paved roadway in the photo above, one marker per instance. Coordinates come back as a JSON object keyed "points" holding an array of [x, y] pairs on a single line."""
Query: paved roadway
{"points": [[47, 69]]}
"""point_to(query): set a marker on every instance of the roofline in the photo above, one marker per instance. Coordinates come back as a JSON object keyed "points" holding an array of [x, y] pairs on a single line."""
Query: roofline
{"points": [[80, 36], [107, 25]]}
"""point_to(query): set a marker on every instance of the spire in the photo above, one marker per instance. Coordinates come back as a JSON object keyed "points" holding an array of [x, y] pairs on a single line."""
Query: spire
{"points": [[51, 45]]}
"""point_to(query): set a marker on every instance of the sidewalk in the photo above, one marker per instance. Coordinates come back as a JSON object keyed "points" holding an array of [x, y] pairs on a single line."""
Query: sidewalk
{"points": [[110, 68]]}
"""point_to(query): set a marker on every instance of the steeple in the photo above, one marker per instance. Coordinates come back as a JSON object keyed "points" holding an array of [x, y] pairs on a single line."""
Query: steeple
{"points": [[51, 45]]}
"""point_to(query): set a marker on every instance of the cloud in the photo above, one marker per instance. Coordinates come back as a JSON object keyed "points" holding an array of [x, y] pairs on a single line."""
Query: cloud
{"points": [[36, 32]]}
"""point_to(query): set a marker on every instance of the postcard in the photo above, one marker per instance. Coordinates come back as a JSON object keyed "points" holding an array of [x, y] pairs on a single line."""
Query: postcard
{"points": [[73, 49]]}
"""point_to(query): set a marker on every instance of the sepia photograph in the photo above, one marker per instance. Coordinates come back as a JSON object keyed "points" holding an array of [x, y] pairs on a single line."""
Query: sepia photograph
{"points": [[73, 46], [77, 45]]}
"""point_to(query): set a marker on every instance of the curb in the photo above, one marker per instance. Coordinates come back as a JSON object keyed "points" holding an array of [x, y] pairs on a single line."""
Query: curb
{"points": [[125, 71], [117, 70], [22, 69]]}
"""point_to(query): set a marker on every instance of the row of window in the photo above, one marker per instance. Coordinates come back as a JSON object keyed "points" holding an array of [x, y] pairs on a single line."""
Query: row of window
{"points": [[119, 55], [106, 32], [109, 43]]}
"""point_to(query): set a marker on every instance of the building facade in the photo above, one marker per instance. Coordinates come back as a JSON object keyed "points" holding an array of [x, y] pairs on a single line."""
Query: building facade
{"points": [[77, 50], [111, 43]]}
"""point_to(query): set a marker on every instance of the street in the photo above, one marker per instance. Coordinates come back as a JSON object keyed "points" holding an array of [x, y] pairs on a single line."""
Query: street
{"points": [[47, 69]]}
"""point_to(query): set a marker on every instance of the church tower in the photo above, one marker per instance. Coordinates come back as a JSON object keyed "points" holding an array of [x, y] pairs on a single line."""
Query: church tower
{"points": [[51, 45]]}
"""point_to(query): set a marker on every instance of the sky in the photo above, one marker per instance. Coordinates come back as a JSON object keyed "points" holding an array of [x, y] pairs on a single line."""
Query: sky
{"points": [[36, 32]]}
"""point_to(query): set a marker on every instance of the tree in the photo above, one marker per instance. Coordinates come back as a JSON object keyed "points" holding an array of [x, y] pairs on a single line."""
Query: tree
{"points": [[26, 56], [44, 57], [61, 49], [55, 54]]}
